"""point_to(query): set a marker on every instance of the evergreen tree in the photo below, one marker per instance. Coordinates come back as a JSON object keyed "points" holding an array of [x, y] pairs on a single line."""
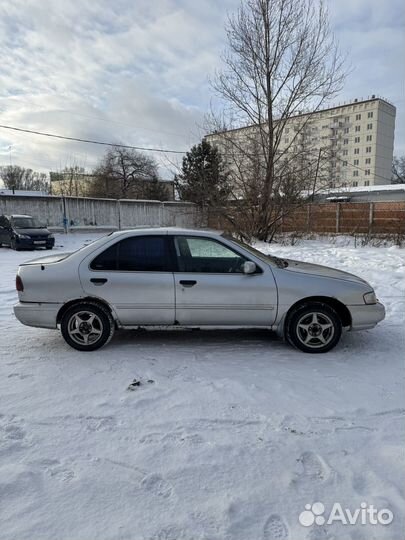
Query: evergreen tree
{"points": [[203, 179]]}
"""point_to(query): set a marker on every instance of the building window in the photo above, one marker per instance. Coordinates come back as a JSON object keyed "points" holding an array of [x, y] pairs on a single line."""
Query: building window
{"points": [[370, 115], [367, 182], [368, 149], [367, 172], [345, 164], [357, 139], [369, 138], [287, 130], [355, 173], [355, 184], [368, 161], [357, 128], [346, 130], [357, 150], [345, 152], [286, 140], [347, 119], [356, 162], [358, 116], [345, 141], [369, 126]]}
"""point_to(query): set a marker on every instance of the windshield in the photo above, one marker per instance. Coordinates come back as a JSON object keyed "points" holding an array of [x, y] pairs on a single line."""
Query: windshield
{"points": [[281, 263], [26, 223]]}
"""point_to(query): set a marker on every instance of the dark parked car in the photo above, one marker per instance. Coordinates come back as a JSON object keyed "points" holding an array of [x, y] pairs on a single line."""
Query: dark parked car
{"points": [[24, 232]]}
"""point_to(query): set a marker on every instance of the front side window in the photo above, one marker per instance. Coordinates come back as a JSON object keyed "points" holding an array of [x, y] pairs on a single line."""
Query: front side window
{"points": [[204, 255], [136, 254]]}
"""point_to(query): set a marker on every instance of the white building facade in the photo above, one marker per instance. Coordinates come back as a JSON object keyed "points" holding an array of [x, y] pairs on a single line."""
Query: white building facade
{"points": [[355, 141]]}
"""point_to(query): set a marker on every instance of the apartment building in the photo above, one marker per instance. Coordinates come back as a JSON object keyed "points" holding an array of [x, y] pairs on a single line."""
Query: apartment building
{"points": [[355, 141]]}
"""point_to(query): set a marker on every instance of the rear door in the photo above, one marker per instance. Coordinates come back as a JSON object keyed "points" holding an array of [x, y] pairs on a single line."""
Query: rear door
{"points": [[134, 276], [211, 288]]}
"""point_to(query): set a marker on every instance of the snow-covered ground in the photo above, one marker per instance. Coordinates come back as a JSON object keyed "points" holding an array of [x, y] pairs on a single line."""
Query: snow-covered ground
{"points": [[234, 436]]}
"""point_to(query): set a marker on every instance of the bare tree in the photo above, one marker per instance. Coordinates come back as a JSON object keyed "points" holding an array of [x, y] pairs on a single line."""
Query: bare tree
{"points": [[282, 59], [71, 181], [122, 174], [398, 170], [19, 178]]}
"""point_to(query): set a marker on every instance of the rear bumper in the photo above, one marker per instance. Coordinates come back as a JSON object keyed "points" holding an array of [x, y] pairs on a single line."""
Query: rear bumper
{"points": [[39, 315], [366, 316]]}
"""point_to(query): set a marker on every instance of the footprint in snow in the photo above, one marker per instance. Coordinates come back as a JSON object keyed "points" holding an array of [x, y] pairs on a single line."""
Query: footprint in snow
{"points": [[156, 484], [314, 467], [275, 528]]}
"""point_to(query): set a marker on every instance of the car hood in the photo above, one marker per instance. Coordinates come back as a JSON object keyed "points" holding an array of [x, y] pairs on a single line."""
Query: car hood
{"points": [[56, 257], [323, 271], [33, 232]]}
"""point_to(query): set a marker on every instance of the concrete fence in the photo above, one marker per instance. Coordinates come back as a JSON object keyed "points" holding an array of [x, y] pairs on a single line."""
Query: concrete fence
{"points": [[74, 213]]}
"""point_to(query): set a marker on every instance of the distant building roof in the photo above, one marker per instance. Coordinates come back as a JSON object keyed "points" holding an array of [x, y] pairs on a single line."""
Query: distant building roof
{"points": [[364, 189], [24, 193]]}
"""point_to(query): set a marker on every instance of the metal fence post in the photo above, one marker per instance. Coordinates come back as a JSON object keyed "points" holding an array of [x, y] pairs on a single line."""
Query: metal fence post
{"points": [[370, 217], [337, 218]]}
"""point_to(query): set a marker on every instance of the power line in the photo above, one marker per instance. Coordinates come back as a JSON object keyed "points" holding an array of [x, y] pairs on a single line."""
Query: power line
{"points": [[89, 141]]}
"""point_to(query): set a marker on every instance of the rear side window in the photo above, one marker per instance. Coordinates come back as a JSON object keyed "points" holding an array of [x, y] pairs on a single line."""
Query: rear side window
{"points": [[136, 254]]}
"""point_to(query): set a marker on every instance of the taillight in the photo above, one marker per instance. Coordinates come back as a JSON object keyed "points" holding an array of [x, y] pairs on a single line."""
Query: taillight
{"points": [[19, 284]]}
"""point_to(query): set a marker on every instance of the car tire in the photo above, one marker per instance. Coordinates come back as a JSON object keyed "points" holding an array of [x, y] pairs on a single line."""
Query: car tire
{"points": [[13, 245], [313, 327], [87, 326]]}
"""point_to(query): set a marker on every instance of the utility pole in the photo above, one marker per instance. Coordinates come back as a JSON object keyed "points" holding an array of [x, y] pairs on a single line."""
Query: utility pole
{"points": [[316, 173], [9, 153]]}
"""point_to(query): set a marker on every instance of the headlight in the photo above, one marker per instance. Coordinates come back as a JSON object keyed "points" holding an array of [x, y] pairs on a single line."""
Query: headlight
{"points": [[24, 236], [370, 298]]}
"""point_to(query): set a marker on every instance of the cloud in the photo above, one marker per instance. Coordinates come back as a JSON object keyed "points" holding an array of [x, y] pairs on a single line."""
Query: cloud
{"points": [[136, 71]]}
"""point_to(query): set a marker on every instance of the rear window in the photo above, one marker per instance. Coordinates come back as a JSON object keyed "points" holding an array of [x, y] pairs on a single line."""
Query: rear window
{"points": [[137, 254]]}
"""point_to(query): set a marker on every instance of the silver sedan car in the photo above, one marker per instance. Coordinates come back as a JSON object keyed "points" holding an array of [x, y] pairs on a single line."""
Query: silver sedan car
{"points": [[193, 278]]}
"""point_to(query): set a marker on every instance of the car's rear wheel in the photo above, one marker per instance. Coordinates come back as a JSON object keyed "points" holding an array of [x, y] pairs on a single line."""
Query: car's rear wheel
{"points": [[87, 326], [314, 327]]}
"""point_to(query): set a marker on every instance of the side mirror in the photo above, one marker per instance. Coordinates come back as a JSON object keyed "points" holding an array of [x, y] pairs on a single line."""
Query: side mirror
{"points": [[249, 267]]}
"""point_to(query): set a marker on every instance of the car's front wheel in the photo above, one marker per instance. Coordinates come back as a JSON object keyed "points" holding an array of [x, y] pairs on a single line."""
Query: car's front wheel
{"points": [[314, 328], [87, 326], [14, 245]]}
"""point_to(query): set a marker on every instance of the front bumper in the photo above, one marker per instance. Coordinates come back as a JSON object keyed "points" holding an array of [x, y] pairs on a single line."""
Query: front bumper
{"points": [[366, 316], [34, 314], [30, 243]]}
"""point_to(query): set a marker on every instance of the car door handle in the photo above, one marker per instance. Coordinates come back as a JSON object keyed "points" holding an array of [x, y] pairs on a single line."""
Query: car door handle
{"points": [[187, 282], [99, 281]]}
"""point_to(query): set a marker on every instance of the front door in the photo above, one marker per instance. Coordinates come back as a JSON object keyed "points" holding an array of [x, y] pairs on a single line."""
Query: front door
{"points": [[134, 277], [5, 235], [211, 288]]}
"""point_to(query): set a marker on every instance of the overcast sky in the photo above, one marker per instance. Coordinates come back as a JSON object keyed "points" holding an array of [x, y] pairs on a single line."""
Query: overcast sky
{"points": [[135, 71]]}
